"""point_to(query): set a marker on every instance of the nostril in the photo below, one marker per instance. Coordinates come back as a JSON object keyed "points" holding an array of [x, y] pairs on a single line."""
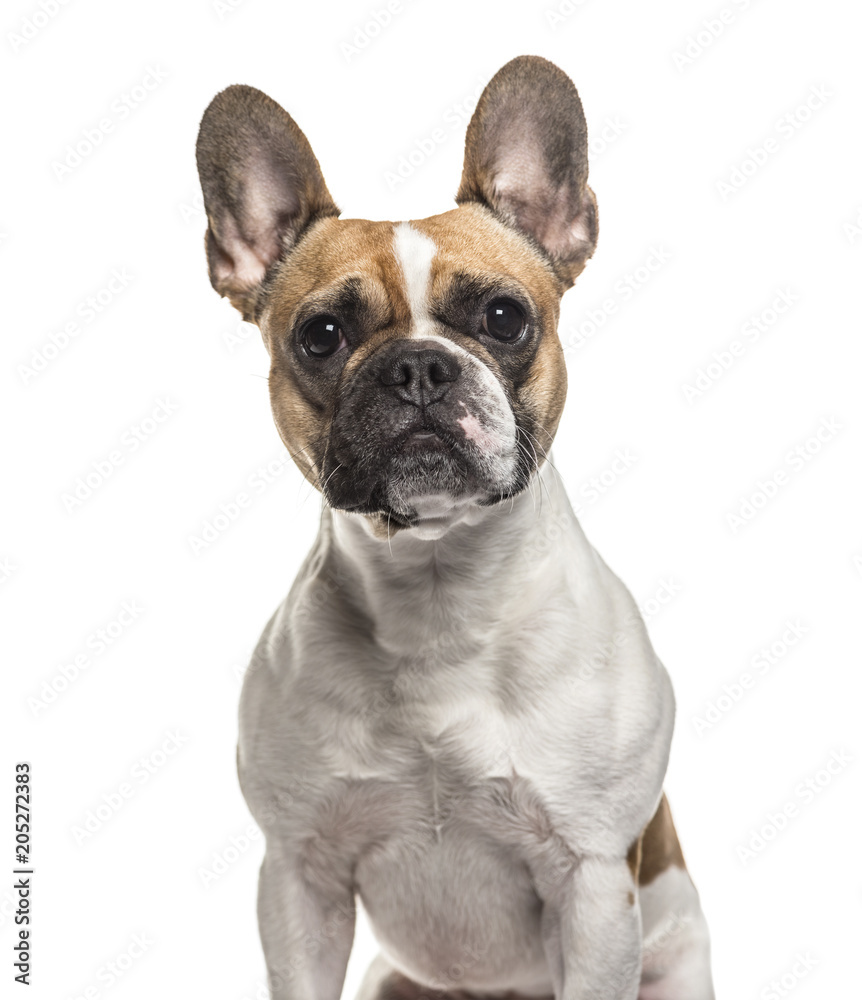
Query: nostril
{"points": [[439, 367], [398, 373], [438, 372], [420, 374]]}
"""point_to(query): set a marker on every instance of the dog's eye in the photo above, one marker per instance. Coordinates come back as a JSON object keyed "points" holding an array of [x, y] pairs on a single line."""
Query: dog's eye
{"points": [[322, 337], [504, 320]]}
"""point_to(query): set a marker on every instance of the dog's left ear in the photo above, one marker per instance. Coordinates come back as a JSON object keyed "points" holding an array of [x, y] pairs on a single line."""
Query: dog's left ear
{"points": [[262, 187], [526, 159]]}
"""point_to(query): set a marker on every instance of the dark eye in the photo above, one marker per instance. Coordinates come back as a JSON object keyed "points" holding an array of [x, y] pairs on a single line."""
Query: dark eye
{"points": [[322, 336], [504, 320]]}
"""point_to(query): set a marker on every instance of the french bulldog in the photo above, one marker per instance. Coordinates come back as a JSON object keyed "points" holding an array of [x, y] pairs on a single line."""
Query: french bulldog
{"points": [[456, 716]]}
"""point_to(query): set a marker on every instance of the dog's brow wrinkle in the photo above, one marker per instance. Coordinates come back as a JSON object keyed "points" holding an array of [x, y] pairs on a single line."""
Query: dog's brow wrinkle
{"points": [[476, 286], [415, 253], [352, 299]]}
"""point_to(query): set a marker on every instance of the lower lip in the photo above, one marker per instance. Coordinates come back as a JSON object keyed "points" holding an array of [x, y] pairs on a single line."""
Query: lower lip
{"points": [[423, 439]]}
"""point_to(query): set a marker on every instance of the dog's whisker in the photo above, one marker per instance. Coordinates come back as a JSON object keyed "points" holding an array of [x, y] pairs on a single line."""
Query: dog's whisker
{"points": [[535, 473], [542, 484], [331, 474], [531, 461]]}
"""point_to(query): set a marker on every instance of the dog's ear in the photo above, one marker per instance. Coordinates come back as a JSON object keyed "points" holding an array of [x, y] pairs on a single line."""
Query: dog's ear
{"points": [[262, 187], [526, 159]]}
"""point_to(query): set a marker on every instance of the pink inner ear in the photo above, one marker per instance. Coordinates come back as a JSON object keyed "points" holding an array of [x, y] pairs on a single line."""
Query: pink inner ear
{"points": [[251, 248], [547, 211], [544, 211], [239, 265], [581, 228], [566, 235]]}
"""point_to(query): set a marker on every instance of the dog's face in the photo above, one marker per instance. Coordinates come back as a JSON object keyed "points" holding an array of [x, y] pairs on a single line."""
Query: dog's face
{"points": [[416, 370]]}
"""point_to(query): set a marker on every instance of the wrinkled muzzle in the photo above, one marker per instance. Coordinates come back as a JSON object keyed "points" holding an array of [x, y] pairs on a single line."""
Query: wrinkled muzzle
{"points": [[419, 418]]}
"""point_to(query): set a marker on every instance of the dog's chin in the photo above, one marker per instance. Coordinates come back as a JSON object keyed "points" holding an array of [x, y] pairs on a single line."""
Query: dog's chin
{"points": [[430, 491], [425, 485]]}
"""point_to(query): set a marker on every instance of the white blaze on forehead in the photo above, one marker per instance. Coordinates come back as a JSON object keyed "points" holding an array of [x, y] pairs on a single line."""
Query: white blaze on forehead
{"points": [[415, 252]]}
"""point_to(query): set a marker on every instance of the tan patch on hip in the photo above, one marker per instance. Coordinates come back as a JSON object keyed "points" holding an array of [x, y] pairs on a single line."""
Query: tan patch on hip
{"points": [[657, 848]]}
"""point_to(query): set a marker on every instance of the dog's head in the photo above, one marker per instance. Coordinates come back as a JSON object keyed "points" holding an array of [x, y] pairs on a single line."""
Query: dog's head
{"points": [[415, 366]]}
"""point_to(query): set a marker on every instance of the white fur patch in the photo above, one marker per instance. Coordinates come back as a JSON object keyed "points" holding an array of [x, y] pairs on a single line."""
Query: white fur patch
{"points": [[481, 437], [676, 958], [415, 252]]}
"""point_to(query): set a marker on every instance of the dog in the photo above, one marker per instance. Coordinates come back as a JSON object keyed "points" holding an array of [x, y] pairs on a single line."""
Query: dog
{"points": [[456, 715]]}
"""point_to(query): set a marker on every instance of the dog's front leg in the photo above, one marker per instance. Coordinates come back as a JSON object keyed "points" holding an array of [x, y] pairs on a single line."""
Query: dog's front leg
{"points": [[592, 932], [306, 926]]}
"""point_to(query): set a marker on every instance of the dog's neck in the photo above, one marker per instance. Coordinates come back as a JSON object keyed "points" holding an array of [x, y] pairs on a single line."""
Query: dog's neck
{"points": [[492, 567]]}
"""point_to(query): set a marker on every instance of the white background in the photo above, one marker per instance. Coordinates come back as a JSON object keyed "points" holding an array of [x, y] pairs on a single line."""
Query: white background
{"points": [[673, 131]]}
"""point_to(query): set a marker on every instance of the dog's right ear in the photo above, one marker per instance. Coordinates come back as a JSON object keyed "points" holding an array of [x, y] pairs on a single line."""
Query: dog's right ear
{"points": [[262, 187], [526, 160]]}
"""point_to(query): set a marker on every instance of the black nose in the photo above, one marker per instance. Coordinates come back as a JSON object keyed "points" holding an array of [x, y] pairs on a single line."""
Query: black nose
{"points": [[419, 374]]}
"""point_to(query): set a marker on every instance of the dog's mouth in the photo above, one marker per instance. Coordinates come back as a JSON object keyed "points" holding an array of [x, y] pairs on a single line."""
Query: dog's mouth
{"points": [[422, 473], [422, 440], [418, 420]]}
